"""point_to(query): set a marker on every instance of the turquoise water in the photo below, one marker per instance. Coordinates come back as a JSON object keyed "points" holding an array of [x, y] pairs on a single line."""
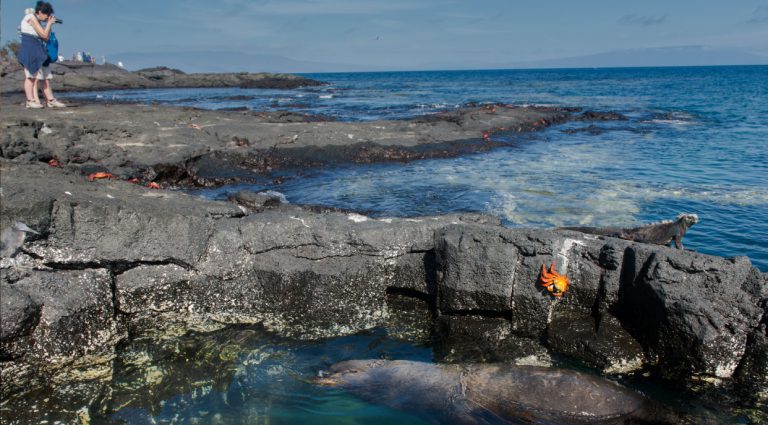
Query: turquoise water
{"points": [[241, 375], [246, 375], [696, 141]]}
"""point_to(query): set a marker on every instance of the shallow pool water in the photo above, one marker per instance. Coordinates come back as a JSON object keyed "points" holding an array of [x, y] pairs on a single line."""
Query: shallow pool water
{"points": [[247, 375]]}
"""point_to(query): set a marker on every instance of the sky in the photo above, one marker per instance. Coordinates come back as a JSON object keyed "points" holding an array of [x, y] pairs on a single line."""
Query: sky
{"points": [[201, 35]]}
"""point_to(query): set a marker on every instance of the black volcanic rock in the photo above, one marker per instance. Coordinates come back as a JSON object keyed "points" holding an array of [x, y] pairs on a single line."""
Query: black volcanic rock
{"points": [[689, 312], [160, 73], [20, 316], [601, 116], [78, 76], [116, 259], [696, 316], [190, 147]]}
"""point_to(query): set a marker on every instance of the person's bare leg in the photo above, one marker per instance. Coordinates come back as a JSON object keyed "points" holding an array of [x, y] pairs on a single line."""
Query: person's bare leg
{"points": [[35, 95], [29, 87], [47, 90], [51, 101]]}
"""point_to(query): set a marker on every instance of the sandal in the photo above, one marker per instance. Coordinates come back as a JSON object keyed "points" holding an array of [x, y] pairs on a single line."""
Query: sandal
{"points": [[55, 103]]}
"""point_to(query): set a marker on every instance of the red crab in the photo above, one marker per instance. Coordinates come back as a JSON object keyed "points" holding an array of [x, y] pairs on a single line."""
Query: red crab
{"points": [[555, 283], [100, 175]]}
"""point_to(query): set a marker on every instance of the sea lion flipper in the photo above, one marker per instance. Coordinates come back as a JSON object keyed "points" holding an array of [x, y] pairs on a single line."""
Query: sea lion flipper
{"points": [[478, 413]]}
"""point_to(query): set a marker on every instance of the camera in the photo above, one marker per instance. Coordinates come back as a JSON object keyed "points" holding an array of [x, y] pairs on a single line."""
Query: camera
{"points": [[58, 21]]}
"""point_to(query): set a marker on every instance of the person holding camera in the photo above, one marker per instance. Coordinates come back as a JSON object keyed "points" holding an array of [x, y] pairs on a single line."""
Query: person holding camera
{"points": [[35, 29]]}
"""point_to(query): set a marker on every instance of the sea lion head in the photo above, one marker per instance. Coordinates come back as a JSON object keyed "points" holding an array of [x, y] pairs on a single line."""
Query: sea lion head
{"points": [[347, 372]]}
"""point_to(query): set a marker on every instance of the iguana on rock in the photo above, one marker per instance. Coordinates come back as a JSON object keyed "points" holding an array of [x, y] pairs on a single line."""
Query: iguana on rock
{"points": [[657, 233]]}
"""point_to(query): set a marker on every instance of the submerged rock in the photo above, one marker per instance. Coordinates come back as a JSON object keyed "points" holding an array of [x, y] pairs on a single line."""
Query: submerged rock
{"points": [[258, 201], [592, 130], [601, 116]]}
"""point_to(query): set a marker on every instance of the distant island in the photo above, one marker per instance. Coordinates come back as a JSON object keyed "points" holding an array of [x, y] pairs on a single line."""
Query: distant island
{"points": [[229, 61]]}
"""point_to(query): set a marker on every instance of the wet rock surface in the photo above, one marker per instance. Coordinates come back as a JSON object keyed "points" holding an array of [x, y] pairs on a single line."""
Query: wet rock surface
{"points": [[190, 147]]}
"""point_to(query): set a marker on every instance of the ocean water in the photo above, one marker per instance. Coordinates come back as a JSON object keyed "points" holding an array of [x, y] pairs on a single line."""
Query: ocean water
{"points": [[696, 141]]}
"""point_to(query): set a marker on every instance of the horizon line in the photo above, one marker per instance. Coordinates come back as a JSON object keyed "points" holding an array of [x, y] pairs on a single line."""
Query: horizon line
{"points": [[458, 69], [528, 69]]}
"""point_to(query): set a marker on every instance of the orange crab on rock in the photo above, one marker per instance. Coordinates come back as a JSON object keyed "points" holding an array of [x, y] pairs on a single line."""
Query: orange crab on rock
{"points": [[100, 175], [555, 283]]}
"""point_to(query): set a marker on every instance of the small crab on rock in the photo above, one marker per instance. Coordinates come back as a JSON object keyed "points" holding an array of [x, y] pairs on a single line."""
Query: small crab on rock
{"points": [[100, 175], [555, 283]]}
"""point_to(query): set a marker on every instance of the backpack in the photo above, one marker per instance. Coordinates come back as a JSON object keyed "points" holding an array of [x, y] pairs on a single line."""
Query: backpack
{"points": [[52, 45]]}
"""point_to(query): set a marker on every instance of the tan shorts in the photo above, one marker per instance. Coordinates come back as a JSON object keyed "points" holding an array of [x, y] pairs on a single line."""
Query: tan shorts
{"points": [[44, 73]]}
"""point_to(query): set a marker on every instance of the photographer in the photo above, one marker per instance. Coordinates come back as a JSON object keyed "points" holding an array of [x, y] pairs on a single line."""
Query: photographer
{"points": [[33, 56]]}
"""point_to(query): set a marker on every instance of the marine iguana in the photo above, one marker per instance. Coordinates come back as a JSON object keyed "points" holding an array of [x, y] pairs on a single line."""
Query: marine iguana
{"points": [[657, 233]]}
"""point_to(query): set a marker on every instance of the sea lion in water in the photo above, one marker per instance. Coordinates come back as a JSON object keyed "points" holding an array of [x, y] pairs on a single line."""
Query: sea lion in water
{"points": [[493, 393]]}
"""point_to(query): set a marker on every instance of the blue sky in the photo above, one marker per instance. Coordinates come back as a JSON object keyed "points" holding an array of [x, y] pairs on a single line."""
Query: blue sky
{"points": [[393, 34]]}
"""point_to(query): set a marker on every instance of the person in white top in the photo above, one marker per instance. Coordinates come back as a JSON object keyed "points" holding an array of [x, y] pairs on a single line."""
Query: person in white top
{"points": [[33, 55]]}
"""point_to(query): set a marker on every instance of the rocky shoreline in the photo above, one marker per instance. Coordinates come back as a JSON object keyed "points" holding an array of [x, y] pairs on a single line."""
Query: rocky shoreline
{"points": [[116, 260], [71, 76], [186, 147]]}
